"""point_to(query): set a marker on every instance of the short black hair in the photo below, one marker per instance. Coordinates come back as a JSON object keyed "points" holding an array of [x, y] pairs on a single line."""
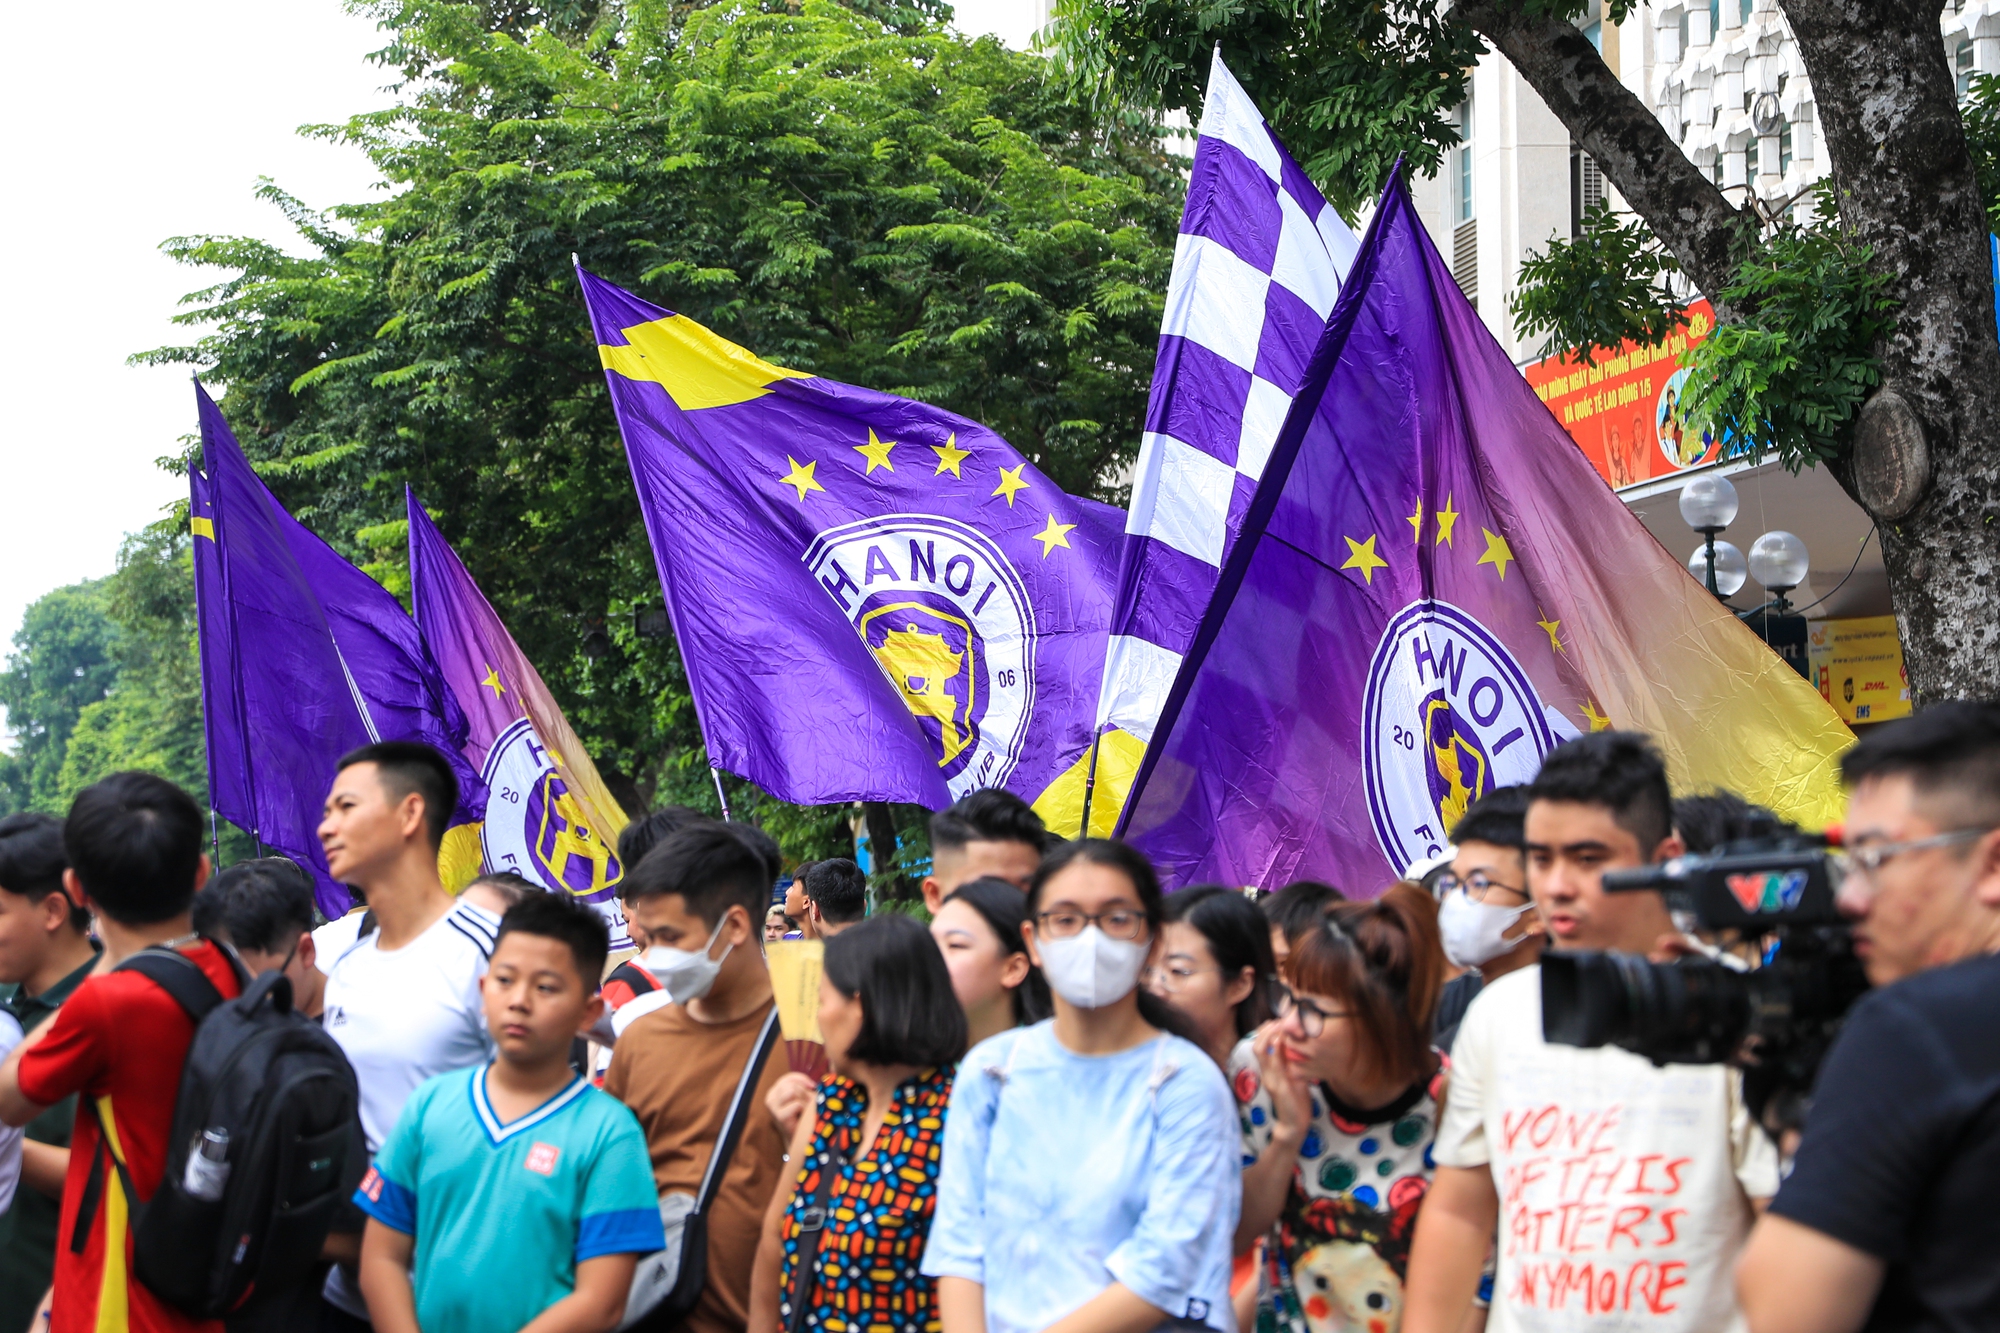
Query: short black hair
{"points": [[32, 861], [1499, 817], [1707, 821], [909, 1015], [765, 846], [412, 766], [1238, 937], [263, 904], [991, 814], [651, 829], [508, 884], [1299, 906], [839, 888], [134, 840], [1618, 771], [1949, 750], [558, 916], [710, 868]]}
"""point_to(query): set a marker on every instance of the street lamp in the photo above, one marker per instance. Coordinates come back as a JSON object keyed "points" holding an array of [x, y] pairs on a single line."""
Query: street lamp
{"points": [[1708, 505], [1779, 562]]}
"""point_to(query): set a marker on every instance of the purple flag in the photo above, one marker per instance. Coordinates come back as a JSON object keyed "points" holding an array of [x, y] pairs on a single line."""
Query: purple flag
{"points": [[875, 598], [304, 658], [1352, 689], [549, 817], [1257, 268]]}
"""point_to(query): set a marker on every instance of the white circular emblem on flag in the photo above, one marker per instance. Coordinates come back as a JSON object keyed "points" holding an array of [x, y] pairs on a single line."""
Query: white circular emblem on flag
{"points": [[536, 827], [1448, 716], [948, 620]]}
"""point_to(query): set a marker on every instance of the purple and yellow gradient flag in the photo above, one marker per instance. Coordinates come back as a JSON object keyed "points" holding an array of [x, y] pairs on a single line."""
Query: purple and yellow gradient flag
{"points": [[549, 817], [303, 658], [1432, 589], [875, 598]]}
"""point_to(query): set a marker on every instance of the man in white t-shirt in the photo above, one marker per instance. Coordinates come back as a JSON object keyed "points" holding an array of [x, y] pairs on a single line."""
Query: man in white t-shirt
{"points": [[1621, 1193], [402, 998]]}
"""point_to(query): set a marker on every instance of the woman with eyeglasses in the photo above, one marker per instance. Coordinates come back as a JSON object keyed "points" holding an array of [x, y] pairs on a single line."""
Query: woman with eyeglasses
{"points": [[978, 928], [1090, 1184], [1214, 966], [1343, 1089]]}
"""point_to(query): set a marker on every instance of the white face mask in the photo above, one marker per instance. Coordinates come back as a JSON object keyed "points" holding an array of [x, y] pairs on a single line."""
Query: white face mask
{"points": [[1475, 933], [686, 974], [1091, 969]]}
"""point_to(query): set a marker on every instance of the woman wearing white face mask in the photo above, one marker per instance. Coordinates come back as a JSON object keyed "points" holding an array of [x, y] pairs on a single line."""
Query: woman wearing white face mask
{"points": [[1489, 926], [1090, 1184]]}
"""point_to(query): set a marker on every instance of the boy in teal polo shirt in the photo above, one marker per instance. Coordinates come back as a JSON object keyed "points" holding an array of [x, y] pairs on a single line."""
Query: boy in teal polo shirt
{"points": [[514, 1196]]}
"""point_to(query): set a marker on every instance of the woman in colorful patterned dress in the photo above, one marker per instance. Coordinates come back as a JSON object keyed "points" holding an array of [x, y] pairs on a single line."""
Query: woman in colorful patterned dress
{"points": [[844, 1237], [1340, 1100]]}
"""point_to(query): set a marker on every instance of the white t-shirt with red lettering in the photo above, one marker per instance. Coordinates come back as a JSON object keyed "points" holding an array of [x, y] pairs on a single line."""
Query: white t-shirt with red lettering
{"points": [[1624, 1188]]}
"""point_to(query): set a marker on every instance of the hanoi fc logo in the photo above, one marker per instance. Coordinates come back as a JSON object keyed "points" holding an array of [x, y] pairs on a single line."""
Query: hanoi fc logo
{"points": [[1449, 715], [948, 620], [536, 827]]}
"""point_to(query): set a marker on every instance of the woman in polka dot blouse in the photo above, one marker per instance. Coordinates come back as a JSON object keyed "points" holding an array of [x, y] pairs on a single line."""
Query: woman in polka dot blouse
{"points": [[1344, 1086]]}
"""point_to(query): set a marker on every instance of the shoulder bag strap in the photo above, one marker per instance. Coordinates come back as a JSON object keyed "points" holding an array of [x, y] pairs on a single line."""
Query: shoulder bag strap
{"points": [[179, 976], [812, 1230], [732, 1125]]}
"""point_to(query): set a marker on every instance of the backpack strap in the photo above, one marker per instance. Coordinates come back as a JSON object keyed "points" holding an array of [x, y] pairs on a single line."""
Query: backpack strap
{"points": [[732, 1125], [182, 978]]}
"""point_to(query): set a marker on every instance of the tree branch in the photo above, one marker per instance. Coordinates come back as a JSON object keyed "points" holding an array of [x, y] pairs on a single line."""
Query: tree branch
{"points": [[1682, 206]]}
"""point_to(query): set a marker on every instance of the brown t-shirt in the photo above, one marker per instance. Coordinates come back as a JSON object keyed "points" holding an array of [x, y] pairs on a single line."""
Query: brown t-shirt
{"points": [[678, 1076]]}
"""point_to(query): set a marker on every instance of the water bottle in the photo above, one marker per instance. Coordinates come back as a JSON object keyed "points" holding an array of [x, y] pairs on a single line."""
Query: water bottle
{"points": [[207, 1171]]}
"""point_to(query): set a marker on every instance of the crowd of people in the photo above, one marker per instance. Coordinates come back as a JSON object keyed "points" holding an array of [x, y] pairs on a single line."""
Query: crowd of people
{"points": [[1058, 1098]]}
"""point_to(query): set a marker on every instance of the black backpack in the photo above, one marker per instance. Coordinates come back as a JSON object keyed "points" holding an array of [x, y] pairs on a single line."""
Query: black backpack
{"points": [[284, 1092]]}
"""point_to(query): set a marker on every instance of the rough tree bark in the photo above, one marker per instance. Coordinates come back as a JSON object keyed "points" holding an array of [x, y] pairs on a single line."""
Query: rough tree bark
{"points": [[1889, 119]]}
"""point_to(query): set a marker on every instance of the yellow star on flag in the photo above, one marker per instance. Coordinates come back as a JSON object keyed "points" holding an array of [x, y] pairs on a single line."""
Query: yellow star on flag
{"points": [[1361, 556], [876, 452], [492, 681], [1011, 483], [1445, 518], [950, 456], [1597, 720], [1416, 521], [1054, 535], [1551, 626], [800, 476], [1498, 553]]}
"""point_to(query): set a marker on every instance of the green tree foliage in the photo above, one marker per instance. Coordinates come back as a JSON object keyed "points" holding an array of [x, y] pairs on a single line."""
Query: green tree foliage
{"points": [[1350, 84], [104, 677], [854, 191], [65, 660], [1788, 377], [1610, 284]]}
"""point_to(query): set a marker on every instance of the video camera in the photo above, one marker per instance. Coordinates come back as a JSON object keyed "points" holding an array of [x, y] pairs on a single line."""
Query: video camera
{"points": [[1775, 1022]]}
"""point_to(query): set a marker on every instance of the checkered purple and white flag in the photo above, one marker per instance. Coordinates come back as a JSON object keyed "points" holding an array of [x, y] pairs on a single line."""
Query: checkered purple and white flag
{"points": [[1260, 259]]}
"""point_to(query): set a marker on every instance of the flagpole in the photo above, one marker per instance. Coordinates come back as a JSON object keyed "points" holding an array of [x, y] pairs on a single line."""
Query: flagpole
{"points": [[1089, 785], [716, 773]]}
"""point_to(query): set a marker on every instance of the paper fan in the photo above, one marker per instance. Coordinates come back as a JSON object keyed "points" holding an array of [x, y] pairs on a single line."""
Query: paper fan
{"points": [[795, 972]]}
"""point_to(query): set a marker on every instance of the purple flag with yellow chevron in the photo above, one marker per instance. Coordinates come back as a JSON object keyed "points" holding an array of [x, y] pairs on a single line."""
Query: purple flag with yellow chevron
{"points": [[876, 599], [1431, 589]]}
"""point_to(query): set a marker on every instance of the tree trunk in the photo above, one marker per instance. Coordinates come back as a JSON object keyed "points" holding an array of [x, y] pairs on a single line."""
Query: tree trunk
{"points": [[1889, 119], [881, 821], [1682, 206]]}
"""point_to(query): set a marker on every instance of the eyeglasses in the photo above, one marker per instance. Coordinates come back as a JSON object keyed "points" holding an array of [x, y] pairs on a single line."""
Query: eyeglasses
{"points": [[1120, 923], [1312, 1018], [1175, 976], [1866, 861], [1476, 885]]}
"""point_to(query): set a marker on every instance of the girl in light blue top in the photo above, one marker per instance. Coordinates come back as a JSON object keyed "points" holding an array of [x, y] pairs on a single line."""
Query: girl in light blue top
{"points": [[1090, 1181]]}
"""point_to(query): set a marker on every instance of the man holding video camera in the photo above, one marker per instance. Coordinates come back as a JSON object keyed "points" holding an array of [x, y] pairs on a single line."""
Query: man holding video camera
{"points": [[1890, 1218], [1621, 1191]]}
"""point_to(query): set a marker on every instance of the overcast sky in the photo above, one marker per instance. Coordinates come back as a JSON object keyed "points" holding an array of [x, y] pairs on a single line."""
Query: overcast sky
{"points": [[153, 121]]}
